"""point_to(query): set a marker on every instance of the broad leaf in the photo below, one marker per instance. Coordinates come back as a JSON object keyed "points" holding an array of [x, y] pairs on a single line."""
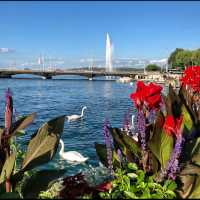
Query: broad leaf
{"points": [[1, 132], [22, 123], [195, 155], [187, 120], [155, 142], [187, 182], [129, 147], [195, 194], [174, 102], [166, 148], [101, 153], [10, 195], [154, 162], [43, 179], [8, 167], [42, 147], [190, 169], [131, 144], [115, 159], [161, 144], [118, 142], [188, 104]]}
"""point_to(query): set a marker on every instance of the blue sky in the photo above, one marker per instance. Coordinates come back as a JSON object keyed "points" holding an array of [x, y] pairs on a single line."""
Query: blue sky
{"points": [[71, 31]]}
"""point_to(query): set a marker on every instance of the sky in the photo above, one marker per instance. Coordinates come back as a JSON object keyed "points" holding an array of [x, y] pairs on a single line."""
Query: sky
{"points": [[69, 32]]}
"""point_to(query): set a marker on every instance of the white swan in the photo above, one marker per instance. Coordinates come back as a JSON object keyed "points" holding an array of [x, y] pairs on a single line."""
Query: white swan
{"points": [[71, 156], [75, 117]]}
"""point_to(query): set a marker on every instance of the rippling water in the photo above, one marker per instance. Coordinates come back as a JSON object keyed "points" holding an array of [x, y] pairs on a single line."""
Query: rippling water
{"points": [[51, 98]]}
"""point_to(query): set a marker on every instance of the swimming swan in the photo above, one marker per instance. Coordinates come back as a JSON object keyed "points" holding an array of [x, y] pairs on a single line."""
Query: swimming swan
{"points": [[71, 156], [75, 117]]}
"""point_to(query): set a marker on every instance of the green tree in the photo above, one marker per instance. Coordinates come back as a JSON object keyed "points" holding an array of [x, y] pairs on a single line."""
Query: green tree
{"points": [[172, 57], [153, 67], [196, 57]]}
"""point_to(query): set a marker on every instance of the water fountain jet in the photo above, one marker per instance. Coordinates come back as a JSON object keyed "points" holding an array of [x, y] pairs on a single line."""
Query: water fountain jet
{"points": [[109, 49]]}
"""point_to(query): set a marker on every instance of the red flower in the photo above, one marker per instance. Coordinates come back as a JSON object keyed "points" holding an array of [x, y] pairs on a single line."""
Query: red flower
{"points": [[150, 95], [191, 78], [104, 187], [172, 126]]}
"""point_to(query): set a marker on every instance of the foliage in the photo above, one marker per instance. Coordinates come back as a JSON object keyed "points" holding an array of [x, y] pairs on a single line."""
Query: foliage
{"points": [[168, 139], [133, 183], [181, 58], [16, 166], [52, 192], [152, 67]]}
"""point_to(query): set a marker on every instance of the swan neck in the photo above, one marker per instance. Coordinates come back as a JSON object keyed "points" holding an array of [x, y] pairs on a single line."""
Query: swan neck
{"points": [[82, 112], [62, 147]]}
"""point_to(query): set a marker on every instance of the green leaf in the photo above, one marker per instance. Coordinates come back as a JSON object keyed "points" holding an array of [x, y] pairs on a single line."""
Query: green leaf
{"points": [[10, 195], [132, 175], [185, 189], [44, 179], [170, 193], [132, 166], [42, 147], [188, 104], [155, 142], [22, 123], [128, 145], [190, 169], [118, 143], [8, 167], [174, 102], [101, 153], [170, 185], [195, 154], [115, 160], [195, 194], [166, 148], [156, 196], [130, 195], [1, 132], [131, 144], [187, 120]]}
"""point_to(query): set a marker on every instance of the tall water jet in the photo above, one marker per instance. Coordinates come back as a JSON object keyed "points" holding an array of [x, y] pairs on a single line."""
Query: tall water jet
{"points": [[108, 54]]}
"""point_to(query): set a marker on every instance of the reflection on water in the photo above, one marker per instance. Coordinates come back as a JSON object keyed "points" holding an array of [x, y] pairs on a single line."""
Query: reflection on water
{"points": [[107, 89]]}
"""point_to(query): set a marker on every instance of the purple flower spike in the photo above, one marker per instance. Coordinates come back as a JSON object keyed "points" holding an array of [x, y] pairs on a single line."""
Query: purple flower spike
{"points": [[126, 123], [119, 154], [8, 110], [141, 127], [173, 165], [108, 144], [152, 116]]}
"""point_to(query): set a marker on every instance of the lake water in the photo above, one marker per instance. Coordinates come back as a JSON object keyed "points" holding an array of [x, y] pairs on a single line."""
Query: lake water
{"points": [[52, 98]]}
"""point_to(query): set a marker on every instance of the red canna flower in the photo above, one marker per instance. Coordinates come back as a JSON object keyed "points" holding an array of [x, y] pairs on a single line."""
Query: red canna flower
{"points": [[173, 126], [191, 78], [150, 95]]}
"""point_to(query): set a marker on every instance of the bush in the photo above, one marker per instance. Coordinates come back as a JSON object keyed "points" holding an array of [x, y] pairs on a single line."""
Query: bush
{"points": [[153, 67]]}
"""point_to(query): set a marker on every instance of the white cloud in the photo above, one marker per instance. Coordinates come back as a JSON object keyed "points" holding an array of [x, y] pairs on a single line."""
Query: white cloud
{"points": [[6, 50], [164, 60]]}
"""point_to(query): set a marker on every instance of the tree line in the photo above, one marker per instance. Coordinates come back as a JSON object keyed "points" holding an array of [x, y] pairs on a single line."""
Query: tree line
{"points": [[181, 58]]}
